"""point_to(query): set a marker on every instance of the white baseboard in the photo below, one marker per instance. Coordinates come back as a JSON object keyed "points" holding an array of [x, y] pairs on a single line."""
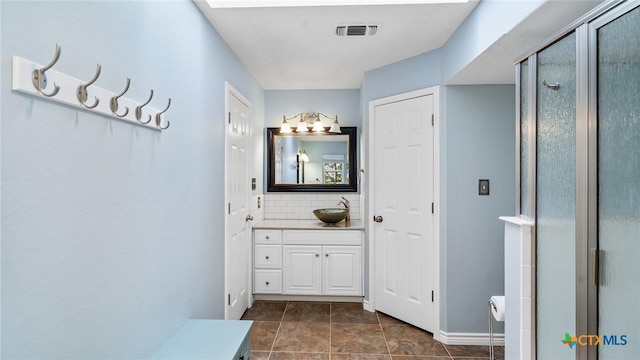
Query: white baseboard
{"points": [[367, 306], [317, 298], [470, 338]]}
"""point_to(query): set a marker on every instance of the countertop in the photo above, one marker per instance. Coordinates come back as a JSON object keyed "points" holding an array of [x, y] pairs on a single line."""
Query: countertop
{"points": [[308, 225]]}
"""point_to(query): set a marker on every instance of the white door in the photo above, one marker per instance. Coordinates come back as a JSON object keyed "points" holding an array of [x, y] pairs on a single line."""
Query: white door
{"points": [[302, 272], [342, 270], [238, 191], [403, 196]]}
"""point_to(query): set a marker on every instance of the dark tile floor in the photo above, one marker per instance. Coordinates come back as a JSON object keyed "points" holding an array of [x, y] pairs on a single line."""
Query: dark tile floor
{"points": [[344, 331]]}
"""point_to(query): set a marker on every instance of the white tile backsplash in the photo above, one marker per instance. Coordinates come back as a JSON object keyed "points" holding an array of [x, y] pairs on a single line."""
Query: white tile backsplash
{"points": [[301, 206]]}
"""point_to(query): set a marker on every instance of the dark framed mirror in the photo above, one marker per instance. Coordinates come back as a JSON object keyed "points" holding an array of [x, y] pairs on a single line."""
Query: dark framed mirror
{"points": [[312, 162]]}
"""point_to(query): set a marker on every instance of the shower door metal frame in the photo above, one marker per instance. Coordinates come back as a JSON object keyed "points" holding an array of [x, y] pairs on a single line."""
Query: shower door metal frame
{"points": [[588, 287], [586, 292], [532, 117], [587, 272]]}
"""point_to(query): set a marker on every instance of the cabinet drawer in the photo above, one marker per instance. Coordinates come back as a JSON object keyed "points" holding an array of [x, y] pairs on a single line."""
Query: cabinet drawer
{"points": [[267, 256], [322, 237], [267, 236], [267, 281]]}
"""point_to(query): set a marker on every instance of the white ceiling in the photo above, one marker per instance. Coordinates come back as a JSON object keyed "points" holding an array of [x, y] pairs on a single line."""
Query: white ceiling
{"points": [[287, 47]]}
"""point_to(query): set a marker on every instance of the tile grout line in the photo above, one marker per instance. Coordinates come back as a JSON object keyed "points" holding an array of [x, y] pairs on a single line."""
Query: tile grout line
{"points": [[330, 330], [447, 350], [278, 330], [384, 336]]}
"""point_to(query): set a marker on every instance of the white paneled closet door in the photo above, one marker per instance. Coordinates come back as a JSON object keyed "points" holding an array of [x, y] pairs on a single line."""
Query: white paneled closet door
{"points": [[403, 196], [238, 191]]}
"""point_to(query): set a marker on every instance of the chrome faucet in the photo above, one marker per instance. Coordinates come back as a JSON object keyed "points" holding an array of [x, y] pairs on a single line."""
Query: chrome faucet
{"points": [[346, 204]]}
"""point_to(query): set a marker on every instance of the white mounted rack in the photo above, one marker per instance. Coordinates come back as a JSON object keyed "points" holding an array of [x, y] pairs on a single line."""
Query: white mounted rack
{"points": [[33, 79]]}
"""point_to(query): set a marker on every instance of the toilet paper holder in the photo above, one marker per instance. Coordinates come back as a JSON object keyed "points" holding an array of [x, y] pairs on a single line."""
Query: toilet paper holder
{"points": [[496, 310]]}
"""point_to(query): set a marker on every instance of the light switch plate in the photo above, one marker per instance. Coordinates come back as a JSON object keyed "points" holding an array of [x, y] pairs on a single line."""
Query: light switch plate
{"points": [[483, 187]]}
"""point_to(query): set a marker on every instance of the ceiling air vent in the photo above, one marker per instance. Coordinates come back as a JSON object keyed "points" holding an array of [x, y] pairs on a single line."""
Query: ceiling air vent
{"points": [[356, 30]]}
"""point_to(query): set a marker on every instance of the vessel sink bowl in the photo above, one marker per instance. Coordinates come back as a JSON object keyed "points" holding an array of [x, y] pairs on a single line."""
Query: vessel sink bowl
{"points": [[331, 215]]}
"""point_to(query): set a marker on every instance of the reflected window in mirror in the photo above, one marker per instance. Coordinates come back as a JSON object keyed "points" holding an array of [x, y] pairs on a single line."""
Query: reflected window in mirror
{"points": [[311, 161], [334, 169]]}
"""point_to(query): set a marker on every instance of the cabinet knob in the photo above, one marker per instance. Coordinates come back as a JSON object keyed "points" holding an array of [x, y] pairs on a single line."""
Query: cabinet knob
{"points": [[326, 255], [317, 255], [267, 257], [267, 237], [266, 283]]}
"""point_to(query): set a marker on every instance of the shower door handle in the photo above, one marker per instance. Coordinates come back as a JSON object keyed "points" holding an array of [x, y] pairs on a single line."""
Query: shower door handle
{"points": [[595, 267]]}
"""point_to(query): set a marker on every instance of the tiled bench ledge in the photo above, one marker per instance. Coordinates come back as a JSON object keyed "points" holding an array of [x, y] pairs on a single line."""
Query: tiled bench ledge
{"points": [[519, 270]]}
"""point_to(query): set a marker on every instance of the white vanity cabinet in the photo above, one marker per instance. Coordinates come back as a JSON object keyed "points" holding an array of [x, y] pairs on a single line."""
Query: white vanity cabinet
{"points": [[267, 261], [311, 262], [342, 270], [302, 270]]}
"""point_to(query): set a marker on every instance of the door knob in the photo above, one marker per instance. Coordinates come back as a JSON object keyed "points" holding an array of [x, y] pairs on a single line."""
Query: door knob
{"points": [[248, 218], [377, 219]]}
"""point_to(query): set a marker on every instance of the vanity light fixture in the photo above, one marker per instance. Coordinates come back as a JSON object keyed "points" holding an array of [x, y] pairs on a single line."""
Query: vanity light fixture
{"points": [[302, 126], [335, 127], [309, 118], [285, 128], [317, 125]]}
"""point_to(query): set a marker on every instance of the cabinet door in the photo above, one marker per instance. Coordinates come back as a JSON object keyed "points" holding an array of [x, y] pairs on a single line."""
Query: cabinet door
{"points": [[302, 270], [342, 270]]}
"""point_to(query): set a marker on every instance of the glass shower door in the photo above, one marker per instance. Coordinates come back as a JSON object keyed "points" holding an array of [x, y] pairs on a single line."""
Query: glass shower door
{"points": [[619, 186], [555, 198]]}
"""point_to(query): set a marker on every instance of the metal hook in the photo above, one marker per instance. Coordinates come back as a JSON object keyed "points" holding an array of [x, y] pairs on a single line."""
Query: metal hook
{"points": [[113, 102], [555, 86], [139, 110], [39, 78], [158, 119], [81, 91]]}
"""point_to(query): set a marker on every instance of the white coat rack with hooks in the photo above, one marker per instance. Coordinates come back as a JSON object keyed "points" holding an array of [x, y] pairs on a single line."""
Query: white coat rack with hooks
{"points": [[45, 82]]}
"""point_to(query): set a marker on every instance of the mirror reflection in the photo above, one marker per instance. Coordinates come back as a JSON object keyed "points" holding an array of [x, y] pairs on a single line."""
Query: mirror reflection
{"points": [[311, 161]]}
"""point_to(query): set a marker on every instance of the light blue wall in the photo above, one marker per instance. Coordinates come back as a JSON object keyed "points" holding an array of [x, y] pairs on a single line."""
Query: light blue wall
{"points": [[480, 145], [410, 74], [112, 234], [342, 102], [487, 23]]}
